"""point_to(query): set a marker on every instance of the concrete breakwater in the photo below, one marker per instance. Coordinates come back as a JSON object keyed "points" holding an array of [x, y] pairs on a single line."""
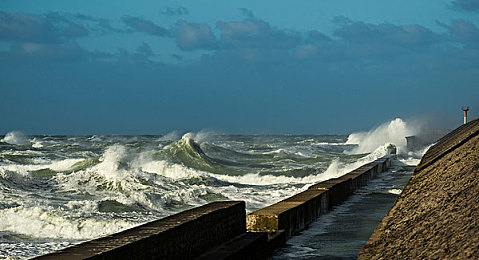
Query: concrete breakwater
{"points": [[180, 236], [437, 214], [295, 213], [222, 230]]}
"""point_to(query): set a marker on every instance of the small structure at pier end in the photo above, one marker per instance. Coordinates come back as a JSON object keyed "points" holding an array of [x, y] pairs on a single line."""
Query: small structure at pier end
{"points": [[465, 114]]}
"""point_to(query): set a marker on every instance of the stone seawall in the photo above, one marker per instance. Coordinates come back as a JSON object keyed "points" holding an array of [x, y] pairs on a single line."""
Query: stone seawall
{"points": [[437, 214]]}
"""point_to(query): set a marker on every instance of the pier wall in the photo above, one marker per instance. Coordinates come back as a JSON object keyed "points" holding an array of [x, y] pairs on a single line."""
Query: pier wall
{"points": [[181, 236], [295, 213]]}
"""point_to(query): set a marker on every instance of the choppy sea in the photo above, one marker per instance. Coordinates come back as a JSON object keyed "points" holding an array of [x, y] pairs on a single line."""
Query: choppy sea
{"points": [[56, 191]]}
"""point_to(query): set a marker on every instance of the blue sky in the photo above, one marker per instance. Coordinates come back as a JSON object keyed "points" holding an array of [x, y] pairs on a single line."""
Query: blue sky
{"points": [[151, 67]]}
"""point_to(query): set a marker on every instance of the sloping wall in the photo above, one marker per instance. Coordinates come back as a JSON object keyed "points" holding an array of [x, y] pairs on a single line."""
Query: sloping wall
{"points": [[437, 214]]}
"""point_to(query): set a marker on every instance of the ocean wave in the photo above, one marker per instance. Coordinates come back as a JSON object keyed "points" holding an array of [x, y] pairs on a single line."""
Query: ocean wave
{"points": [[190, 153], [44, 222], [15, 137], [135, 179], [6, 171], [394, 132], [36, 143]]}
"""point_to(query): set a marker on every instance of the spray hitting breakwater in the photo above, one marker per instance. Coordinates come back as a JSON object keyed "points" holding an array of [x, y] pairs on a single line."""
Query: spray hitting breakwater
{"points": [[392, 132], [59, 190]]}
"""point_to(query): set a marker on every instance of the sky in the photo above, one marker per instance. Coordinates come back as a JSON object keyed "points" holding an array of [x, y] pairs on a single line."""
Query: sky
{"points": [[243, 67]]}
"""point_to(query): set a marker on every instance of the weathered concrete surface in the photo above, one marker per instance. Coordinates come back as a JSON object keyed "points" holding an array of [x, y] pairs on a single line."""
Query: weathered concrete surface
{"points": [[185, 235], [295, 213], [291, 214], [249, 245], [437, 214], [449, 142]]}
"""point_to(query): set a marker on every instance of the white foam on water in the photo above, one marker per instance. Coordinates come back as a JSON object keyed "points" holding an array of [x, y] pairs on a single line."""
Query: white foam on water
{"points": [[335, 169], [29, 249], [291, 152], [18, 170], [22, 153], [44, 222], [413, 158], [109, 166], [255, 197], [329, 144], [394, 132], [133, 179], [277, 151], [395, 191], [129, 178], [173, 189], [258, 198], [174, 171], [257, 179], [62, 165], [410, 161], [85, 206], [36, 143]]}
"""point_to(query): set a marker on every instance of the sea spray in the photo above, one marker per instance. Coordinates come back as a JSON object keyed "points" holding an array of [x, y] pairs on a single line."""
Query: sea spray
{"points": [[171, 136], [15, 137], [393, 132]]}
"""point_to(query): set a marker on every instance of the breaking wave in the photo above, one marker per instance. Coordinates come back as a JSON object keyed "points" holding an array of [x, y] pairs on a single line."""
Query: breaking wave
{"points": [[15, 137], [42, 222], [393, 132]]}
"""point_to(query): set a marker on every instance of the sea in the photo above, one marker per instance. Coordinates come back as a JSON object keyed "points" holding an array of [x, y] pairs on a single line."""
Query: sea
{"points": [[57, 191]]}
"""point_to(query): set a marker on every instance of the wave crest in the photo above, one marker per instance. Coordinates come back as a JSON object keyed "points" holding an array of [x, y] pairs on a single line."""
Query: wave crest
{"points": [[44, 223], [393, 132], [15, 137]]}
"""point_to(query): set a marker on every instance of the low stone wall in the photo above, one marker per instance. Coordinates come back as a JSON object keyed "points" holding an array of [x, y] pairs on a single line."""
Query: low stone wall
{"points": [[181, 236], [291, 214], [295, 213]]}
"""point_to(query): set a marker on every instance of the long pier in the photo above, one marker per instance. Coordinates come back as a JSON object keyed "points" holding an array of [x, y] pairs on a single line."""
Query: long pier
{"points": [[222, 230], [295, 213]]}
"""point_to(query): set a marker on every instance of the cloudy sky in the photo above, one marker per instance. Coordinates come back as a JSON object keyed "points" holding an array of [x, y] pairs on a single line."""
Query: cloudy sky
{"points": [[283, 66]]}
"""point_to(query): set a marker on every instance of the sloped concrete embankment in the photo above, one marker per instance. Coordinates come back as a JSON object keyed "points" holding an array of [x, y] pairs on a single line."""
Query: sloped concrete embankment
{"points": [[437, 214], [219, 230]]}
